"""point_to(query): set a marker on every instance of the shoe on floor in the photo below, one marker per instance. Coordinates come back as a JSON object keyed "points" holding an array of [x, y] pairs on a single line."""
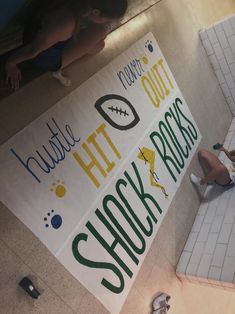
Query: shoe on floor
{"points": [[64, 80], [195, 180]]}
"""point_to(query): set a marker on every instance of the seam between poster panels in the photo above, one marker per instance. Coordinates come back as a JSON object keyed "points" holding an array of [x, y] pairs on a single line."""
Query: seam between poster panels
{"points": [[57, 253]]}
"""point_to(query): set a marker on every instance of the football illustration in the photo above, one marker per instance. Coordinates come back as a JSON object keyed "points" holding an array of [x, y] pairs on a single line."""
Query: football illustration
{"points": [[117, 111]]}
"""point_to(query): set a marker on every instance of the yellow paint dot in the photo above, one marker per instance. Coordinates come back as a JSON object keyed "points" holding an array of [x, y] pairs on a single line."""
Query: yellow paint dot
{"points": [[60, 190], [145, 60]]}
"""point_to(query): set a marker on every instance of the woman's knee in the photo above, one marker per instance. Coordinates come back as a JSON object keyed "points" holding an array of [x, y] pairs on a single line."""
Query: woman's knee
{"points": [[221, 169], [202, 154]]}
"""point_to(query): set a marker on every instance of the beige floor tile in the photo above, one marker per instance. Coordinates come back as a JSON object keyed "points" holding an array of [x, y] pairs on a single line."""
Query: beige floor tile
{"points": [[13, 300], [136, 304], [200, 299], [147, 267], [182, 202], [171, 236], [210, 11], [16, 301], [90, 304], [4, 135], [9, 264], [160, 276], [18, 110], [15, 234], [46, 266]]}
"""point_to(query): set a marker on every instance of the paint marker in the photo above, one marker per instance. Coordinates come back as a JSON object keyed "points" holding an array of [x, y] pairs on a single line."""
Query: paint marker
{"points": [[217, 146], [27, 285]]}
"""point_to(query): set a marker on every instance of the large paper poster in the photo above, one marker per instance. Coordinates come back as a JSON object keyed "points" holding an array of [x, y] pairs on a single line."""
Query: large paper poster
{"points": [[94, 176]]}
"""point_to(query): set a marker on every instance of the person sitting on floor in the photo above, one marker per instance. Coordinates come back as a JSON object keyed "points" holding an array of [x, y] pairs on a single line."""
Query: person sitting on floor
{"points": [[216, 171], [57, 33]]}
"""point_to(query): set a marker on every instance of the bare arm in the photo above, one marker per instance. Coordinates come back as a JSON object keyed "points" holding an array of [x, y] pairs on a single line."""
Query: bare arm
{"points": [[231, 157], [50, 34], [47, 37]]}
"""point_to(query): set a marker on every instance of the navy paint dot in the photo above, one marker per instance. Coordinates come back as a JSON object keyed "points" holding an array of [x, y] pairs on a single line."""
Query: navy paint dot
{"points": [[56, 221], [149, 45], [150, 48]]}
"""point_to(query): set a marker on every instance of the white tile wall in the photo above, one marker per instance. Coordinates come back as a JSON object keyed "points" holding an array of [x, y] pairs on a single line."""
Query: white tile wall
{"points": [[209, 253], [219, 43]]}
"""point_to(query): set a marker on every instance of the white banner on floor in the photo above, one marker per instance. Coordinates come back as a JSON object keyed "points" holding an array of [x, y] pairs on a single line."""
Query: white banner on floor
{"points": [[94, 176]]}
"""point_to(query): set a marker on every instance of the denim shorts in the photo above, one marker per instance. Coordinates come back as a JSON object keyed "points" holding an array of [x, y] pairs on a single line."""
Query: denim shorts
{"points": [[50, 60]]}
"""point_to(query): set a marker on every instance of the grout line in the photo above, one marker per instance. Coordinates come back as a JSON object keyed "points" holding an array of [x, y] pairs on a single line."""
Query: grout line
{"points": [[38, 275]]}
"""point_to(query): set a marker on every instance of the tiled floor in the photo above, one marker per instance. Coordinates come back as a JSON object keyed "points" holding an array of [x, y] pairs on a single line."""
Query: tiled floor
{"points": [[219, 43], [209, 254]]}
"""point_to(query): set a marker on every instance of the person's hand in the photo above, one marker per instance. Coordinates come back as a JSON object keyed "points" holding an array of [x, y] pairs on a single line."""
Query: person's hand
{"points": [[13, 76]]}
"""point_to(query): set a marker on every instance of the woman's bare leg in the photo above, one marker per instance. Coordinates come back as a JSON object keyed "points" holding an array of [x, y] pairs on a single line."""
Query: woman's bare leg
{"points": [[216, 171], [95, 50], [89, 42]]}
